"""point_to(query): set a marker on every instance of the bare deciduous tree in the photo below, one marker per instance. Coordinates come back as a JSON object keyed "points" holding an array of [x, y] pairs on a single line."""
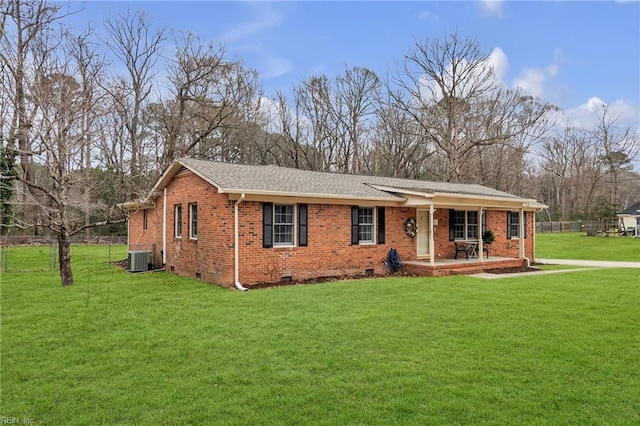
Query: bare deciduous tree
{"points": [[618, 147], [448, 88], [211, 101], [137, 44]]}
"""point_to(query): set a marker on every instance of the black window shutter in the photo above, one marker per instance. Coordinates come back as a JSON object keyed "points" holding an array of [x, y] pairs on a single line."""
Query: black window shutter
{"points": [[484, 222], [524, 218], [508, 224], [267, 225], [303, 229], [354, 225], [452, 216], [380, 225]]}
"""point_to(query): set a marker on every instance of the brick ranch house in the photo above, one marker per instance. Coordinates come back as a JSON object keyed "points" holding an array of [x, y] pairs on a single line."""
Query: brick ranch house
{"points": [[238, 225]]}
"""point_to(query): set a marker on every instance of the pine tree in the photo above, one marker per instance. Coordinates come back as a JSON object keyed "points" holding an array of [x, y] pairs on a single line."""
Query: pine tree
{"points": [[7, 179]]}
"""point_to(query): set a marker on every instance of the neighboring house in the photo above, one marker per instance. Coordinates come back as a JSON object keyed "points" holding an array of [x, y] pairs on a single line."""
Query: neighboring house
{"points": [[240, 225], [630, 219]]}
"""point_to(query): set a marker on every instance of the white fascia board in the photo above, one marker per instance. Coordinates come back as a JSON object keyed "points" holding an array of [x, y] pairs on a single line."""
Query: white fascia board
{"points": [[401, 191], [489, 201], [234, 194]]}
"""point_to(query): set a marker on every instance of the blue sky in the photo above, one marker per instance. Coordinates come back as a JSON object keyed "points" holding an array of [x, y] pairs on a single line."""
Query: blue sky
{"points": [[574, 54]]}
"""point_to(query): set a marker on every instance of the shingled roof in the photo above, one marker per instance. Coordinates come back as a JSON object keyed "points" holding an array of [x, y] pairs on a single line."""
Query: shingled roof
{"points": [[633, 210], [235, 178]]}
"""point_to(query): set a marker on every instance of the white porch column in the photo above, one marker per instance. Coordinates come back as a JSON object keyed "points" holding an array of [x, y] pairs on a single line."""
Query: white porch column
{"points": [[480, 241], [432, 255]]}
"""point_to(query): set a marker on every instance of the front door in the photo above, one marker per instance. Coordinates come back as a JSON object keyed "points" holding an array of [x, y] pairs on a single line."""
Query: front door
{"points": [[422, 235]]}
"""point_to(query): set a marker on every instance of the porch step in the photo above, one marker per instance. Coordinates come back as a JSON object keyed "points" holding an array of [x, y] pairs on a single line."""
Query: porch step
{"points": [[462, 268]]}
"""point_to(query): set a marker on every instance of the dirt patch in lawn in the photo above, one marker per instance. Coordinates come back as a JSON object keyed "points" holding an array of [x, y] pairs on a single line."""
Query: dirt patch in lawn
{"points": [[513, 270]]}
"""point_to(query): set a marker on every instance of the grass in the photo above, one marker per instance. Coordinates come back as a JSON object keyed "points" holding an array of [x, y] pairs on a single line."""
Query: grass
{"points": [[155, 349], [578, 246]]}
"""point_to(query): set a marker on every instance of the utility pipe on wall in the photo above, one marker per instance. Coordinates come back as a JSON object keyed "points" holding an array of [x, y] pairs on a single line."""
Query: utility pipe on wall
{"points": [[236, 260]]}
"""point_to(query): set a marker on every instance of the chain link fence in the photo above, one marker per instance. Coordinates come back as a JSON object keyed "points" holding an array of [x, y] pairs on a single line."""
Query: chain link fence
{"points": [[577, 226], [37, 254]]}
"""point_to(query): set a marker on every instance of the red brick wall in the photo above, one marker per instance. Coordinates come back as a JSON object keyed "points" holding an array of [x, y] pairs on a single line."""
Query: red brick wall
{"points": [[210, 256], [329, 251], [149, 239]]}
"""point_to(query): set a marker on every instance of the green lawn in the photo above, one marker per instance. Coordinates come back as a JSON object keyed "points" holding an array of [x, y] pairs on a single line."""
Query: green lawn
{"points": [[156, 349], [577, 245]]}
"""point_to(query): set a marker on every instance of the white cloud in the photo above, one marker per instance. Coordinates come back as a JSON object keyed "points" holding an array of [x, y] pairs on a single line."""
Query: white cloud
{"points": [[492, 7], [273, 65], [427, 15], [593, 104], [265, 18], [500, 63], [586, 115], [532, 80]]}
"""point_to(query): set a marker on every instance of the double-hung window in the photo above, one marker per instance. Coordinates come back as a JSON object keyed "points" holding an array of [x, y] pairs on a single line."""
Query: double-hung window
{"points": [[177, 219], [279, 225], [464, 225], [283, 224], [363, 229], [365, 225], [513, 224], [193, 221], [459, 222]]}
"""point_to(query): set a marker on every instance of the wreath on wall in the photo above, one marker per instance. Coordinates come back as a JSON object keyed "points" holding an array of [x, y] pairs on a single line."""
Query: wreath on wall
{"points": [[410, 227]]}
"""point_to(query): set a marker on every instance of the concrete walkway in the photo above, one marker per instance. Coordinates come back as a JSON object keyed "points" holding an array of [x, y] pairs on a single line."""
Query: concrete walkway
{"points": [[585, 265], [590, 263]]}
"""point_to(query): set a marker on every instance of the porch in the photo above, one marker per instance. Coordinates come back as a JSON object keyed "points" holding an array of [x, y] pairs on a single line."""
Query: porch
{"points": [[443, 267]]}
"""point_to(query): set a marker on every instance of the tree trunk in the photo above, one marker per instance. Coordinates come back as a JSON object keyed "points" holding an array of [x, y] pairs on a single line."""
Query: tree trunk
{"points": [[64, 256]]}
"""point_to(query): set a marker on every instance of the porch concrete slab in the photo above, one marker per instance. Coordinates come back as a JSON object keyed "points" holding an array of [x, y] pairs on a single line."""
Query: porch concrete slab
{"points": [[590, 263]]}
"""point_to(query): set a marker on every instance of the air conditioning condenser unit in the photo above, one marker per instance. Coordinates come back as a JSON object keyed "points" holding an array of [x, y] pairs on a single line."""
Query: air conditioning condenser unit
{"points": [[138, 261]]}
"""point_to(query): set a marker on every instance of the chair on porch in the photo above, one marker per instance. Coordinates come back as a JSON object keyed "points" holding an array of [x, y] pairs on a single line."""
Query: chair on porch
{"points": [[461, 248]]}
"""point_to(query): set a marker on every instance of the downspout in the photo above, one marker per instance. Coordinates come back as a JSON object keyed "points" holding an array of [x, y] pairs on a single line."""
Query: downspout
{"points": [[236, 259], [522, 245], [533, 234], [164, 229]]}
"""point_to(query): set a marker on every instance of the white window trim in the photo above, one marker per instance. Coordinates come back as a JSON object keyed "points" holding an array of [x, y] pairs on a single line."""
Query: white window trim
{"points": [[517, 215], [295, 227], [191, 206], [373, 225], [175, 221], [478, 225]]}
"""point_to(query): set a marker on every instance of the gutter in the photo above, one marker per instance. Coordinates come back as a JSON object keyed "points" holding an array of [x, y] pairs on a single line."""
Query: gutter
{"points": [[236, 258]]}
